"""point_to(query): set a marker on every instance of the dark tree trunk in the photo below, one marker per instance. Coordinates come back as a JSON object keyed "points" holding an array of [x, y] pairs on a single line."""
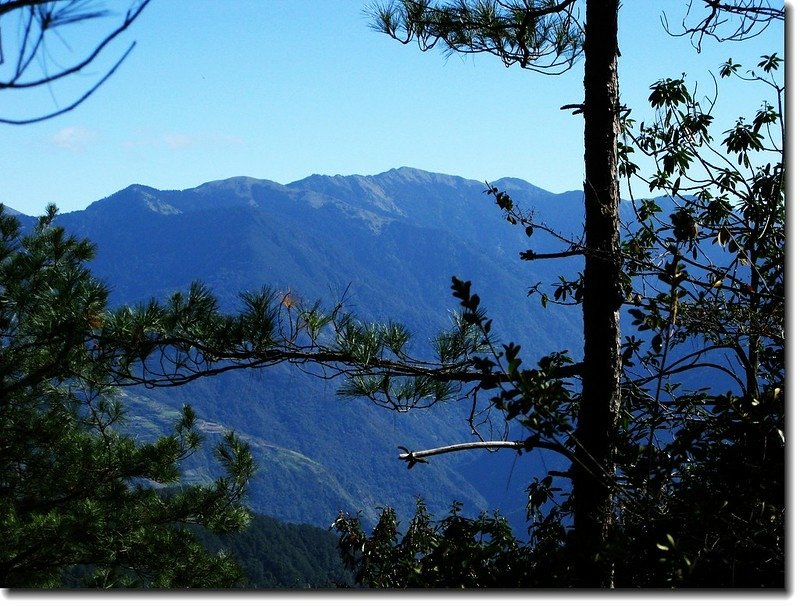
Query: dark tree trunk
{"points": [[602, 295]]}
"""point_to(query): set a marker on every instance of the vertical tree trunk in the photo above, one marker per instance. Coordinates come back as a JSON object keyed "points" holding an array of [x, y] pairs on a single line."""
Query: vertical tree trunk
{"points": [[602, 295]]}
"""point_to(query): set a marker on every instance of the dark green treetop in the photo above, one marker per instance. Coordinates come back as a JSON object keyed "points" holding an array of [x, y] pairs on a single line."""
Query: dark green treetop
{"points": [[75, 488]]}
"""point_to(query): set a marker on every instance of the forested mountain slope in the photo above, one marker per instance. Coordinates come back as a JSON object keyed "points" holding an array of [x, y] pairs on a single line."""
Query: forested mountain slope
{"points": [[387, 247]]}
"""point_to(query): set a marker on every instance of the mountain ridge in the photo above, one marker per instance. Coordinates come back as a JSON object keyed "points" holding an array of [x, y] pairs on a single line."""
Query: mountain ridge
{"points": [[401, 175]]}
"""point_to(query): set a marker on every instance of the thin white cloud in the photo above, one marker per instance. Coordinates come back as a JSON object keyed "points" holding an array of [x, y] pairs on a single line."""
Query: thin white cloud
{"points": [[73, 138], [182, 140], [179, 140]]}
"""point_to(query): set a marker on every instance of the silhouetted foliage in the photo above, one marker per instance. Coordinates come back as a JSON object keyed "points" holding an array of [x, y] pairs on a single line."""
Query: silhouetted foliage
{"points": [[456, 552], [74, 488]]}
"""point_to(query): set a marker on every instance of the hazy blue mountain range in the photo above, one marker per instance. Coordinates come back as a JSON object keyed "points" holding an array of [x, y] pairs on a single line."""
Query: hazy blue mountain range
{"points": [[389, 243]]}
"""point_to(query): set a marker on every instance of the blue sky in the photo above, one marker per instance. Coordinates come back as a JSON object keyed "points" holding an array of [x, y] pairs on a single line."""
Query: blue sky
{"points": [[281, 89]]}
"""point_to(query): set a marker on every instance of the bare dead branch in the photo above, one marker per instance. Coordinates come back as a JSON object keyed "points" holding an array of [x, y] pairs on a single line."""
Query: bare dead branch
{"points": [[418, 456], [726, 21], [43, 17]]}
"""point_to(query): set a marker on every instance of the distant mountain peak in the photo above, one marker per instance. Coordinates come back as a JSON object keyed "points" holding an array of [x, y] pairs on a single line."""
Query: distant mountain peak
{"points": [[237, 183], [409, 172], [133, 196], [356, 194], [417, 175]]}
